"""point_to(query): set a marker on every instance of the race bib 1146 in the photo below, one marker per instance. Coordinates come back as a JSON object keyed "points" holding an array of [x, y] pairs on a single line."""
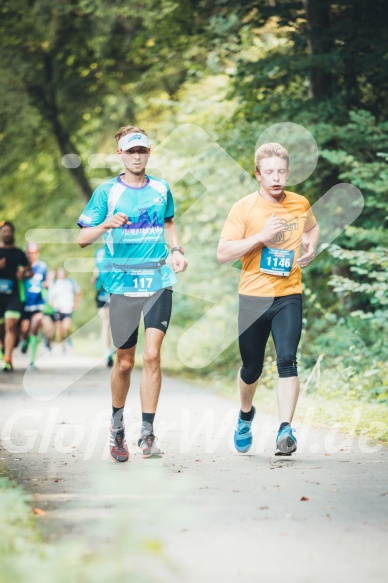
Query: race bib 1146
{"points": [[276, 261]]}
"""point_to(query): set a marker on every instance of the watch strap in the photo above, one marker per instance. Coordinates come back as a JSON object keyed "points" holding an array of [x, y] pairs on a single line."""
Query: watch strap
{"points": [[178, 248]]}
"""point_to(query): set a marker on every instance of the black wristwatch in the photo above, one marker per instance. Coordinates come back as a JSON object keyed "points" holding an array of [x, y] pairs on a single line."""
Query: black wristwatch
{"points": [[179, 248]]}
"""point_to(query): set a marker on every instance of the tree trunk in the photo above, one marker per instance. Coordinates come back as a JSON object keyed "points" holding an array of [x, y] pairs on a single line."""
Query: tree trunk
{"points": [[45, 98], [319, 45]]}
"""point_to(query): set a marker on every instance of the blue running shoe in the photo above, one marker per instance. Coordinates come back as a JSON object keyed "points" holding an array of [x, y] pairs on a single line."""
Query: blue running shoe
{"points": [[285, 441], [243, 434]]}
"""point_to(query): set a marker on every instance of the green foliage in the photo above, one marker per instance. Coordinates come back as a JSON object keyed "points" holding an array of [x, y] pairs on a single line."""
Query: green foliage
{"points": [[70, 68], [285, 60], [372, 269], [347, 377]]}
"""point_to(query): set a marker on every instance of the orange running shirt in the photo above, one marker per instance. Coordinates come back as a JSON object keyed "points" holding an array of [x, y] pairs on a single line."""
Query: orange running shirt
{"points": [[246, 218]]}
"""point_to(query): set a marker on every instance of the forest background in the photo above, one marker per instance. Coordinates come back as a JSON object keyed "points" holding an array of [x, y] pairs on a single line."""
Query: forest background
{"points": [[74, 71]]}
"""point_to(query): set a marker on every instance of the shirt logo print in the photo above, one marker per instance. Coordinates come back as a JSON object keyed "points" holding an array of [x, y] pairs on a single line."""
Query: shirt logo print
{"points": [[288, 228]]}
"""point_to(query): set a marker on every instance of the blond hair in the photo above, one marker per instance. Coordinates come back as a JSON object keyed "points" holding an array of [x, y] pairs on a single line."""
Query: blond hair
{"points": [[269, 150], [128, 130]]}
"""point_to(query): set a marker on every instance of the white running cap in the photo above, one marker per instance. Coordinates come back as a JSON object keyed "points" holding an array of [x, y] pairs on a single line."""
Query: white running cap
{"points": [[132, 141]]}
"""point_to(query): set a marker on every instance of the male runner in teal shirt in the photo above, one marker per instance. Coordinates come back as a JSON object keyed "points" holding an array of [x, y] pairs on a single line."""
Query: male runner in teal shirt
{"points": [[134, 213]]}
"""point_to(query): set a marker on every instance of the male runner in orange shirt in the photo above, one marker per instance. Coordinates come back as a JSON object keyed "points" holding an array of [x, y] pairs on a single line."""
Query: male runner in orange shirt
{"points": [[266, 229]]}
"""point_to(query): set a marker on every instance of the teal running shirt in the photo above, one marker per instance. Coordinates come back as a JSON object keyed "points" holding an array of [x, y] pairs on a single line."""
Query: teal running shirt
{"points": [[140, 244], [104, 266]]}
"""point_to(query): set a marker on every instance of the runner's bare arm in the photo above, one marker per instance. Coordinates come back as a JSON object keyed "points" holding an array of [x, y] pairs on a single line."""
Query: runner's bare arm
{"points": [[170, 233], [24, 272], [179, 261], [309, 242], [89, 235]]}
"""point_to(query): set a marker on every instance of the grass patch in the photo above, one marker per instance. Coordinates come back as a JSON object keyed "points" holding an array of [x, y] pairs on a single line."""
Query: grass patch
{"points": [[26, 558]]}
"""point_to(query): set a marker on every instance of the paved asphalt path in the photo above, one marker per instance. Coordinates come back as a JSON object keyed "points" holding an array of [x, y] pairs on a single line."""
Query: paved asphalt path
{"points": [[220, 516]]}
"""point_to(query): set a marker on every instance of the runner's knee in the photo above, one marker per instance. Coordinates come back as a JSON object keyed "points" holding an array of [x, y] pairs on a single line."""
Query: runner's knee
{"points": [[287, 366], [151, 358], [125, 364], [250, 374]]}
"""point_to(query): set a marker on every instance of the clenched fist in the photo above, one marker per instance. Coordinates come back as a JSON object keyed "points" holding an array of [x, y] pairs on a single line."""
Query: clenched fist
{"points": [[273, 226], [117, 221]]}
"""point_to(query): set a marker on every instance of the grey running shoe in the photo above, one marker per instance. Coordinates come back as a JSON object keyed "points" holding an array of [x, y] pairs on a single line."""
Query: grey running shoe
{"points": [[285, 441], [118, 445], [147, 442]]}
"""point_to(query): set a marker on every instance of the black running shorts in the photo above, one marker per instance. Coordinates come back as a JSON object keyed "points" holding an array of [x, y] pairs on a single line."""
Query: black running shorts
{"points": [[10, 303], [125, 313]]}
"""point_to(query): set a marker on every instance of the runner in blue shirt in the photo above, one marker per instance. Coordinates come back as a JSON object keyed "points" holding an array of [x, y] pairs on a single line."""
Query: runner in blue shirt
{"points": [[32, 316], [134, 213], [102, 268]]}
